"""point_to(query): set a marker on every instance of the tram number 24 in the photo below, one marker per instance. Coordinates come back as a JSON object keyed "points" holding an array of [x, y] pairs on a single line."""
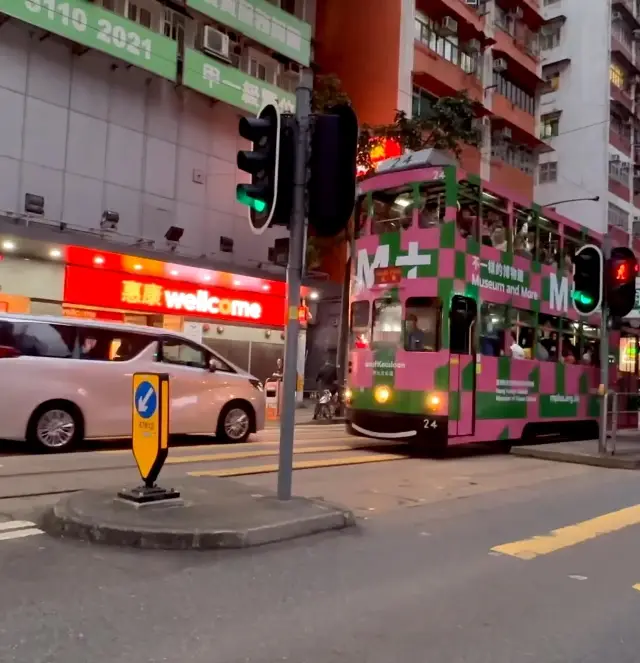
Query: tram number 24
{"points": [[430, 423]]}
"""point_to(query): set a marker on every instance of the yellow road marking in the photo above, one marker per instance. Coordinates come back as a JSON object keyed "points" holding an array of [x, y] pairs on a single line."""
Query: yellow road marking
{"points": [[300, 465], [261, 443], [238, 455], [571, 535]]}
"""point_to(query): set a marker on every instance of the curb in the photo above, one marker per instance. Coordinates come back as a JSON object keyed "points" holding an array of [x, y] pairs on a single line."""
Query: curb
{"points": [[324, 422], [612, 462], [59, 522]]}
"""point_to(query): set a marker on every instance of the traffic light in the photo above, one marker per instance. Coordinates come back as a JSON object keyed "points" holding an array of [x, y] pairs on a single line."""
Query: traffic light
{"points": [[620, 281], [262, 164], [331, 189], [587, 280]]}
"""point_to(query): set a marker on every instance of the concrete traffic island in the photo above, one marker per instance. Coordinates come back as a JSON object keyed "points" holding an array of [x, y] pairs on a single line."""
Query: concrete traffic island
{"points": [[212, 513], [584, 452]]}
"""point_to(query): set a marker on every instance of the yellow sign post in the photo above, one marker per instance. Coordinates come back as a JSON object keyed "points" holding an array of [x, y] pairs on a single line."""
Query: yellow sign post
{"points": [[150, 436]]}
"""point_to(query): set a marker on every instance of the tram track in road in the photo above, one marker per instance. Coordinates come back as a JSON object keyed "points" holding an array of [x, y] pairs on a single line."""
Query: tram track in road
{"points": [[61, 480]]}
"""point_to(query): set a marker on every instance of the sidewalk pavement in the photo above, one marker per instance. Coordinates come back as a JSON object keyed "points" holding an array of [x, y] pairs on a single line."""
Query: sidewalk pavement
{"points": [[211, 513], [304, 417], [585, 452]]}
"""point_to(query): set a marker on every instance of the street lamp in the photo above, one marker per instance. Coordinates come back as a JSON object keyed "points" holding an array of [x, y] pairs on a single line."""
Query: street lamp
{"points": [[592, 199]]}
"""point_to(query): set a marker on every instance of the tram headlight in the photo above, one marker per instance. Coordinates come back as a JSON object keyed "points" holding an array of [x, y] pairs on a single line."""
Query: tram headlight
{"points": [[434, 401], [348, 394], [382, 394]]}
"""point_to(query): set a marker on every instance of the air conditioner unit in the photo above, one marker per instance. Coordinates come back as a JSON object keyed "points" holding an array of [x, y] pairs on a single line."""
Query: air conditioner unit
{"points": [[616, 16], [449, 25], [614, 158], [499, 65], [215, 43], [292, 67], [474, 45], [518, 13], [505, 133], [472, 3]]}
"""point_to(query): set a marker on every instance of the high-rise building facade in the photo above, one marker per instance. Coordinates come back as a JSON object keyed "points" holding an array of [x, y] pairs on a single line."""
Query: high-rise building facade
{"points": [[590, 111], [131, 108], [400, 54]]}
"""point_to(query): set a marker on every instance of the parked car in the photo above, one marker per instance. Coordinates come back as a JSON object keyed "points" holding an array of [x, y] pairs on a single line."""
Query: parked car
{"points": [[65, 381]]}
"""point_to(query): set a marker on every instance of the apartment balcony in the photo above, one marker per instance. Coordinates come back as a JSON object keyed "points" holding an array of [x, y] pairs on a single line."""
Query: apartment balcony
{"points": [[470, 159], [470, 22], [443, 68], [621, 97], [617, 188], [623, 53], [518, 45], [513, 115], [620, 142], [626, 9], [512, 178]]}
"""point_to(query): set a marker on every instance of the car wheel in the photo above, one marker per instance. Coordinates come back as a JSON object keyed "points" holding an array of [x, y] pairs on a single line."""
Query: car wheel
{"points": [[235, 423], [54, 428]]}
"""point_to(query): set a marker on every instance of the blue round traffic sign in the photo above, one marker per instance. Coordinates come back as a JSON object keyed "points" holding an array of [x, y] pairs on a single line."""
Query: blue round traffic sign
{"points": [[146, 400]]}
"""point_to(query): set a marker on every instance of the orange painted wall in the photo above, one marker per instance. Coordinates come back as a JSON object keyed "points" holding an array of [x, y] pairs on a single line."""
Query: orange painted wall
{"points": [[359, 41], [511, 178]]}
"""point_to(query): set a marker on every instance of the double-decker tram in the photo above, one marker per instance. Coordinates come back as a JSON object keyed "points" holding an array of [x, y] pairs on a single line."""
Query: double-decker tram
{"points": [[461, 323]]}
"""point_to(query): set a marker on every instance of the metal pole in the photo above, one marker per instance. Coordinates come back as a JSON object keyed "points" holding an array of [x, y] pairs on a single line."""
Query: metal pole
{"points": [[604, 352], [297, 245]]}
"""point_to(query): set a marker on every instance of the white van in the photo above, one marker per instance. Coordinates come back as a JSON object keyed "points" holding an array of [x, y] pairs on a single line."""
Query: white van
{"points": [[64, 380]]}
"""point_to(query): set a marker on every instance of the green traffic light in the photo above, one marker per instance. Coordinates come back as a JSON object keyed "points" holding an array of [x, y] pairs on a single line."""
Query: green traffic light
{"points": [[258, 205], [583, 298]]}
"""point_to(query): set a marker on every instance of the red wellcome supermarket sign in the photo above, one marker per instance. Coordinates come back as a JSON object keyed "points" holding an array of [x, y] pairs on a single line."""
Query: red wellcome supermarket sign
{"points": [[86, 286]]}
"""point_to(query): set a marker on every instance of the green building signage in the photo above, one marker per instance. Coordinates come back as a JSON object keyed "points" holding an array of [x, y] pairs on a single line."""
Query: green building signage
{"points": [[231, 85], [97, 28], [260, 20]]}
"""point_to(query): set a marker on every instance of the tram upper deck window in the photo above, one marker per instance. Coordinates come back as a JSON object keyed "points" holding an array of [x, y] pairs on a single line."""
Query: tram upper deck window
{"points": [[392, 210], [549, 242], [361, 215], [571, 242], [431, 204], [468, 209], [494, 228], [525, 233]]}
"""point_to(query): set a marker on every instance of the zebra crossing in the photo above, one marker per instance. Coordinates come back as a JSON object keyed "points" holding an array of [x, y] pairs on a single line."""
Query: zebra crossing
{"points": [[18, 529]]}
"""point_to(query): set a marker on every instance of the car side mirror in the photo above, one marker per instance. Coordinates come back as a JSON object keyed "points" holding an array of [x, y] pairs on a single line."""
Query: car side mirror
{"points": [[212, 366]]}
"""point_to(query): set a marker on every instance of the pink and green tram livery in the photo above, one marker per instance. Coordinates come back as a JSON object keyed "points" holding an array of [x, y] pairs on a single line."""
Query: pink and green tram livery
{"points": [[461, 323]]}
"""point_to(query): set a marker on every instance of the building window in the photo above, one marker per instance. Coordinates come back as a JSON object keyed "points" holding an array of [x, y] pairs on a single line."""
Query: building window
{"points": [[617, 217], [550, 2], [139, 14], [515, 94], [619, 171], [550, 36], [621, 31], [551, 76], [617, 76], [422, 102], [620, 127], [447, 48], [550, 126], [518, 156], [548, 172]]}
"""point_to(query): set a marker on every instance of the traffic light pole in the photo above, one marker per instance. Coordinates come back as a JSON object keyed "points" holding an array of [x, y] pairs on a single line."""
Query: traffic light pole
{"points": [[295, 268], [604, 351]]}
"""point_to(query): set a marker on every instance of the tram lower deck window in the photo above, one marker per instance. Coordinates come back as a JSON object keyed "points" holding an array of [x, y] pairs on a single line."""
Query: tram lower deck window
{"points": [[422, 324]]}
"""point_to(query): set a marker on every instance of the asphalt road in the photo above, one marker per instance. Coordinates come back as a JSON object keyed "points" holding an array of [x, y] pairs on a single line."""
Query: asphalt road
{"points": [[429, 580]]}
